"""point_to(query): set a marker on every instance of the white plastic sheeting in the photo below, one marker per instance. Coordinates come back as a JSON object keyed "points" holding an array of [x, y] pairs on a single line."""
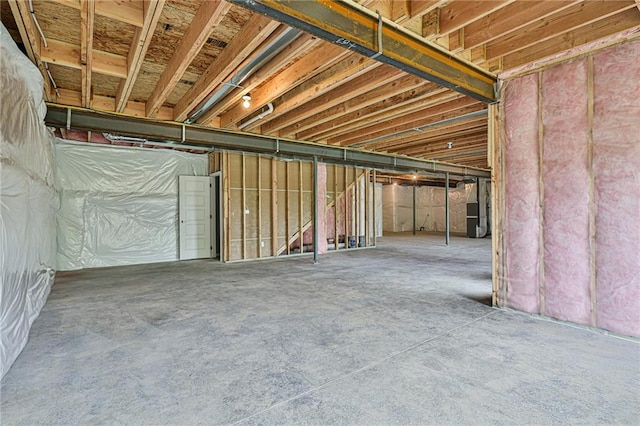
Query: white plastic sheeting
{"points": [[27, 200], [397, 207], [119, 205]]}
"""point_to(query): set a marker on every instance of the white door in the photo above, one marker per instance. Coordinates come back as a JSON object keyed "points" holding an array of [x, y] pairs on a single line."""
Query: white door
{"points": [[195, 217]]}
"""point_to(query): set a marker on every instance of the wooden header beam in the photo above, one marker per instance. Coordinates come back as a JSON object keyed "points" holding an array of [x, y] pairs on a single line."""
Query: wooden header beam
{"points": [[356, 29]]}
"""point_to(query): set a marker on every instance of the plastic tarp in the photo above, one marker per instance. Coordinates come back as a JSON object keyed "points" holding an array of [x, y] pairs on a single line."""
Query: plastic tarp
{"points": [[119, 205], [397, 208], [27, 200]]}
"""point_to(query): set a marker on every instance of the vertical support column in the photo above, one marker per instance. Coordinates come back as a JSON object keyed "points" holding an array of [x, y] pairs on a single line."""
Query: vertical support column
{"points": [[315, 209], [346, 200], [494, 161], [287, 203], [335, 207], [446, 208], [300, 207], [367, 203], [274, 207], [259, 206], [244, 207], [375, 219], [414, 208], [226, 207]]}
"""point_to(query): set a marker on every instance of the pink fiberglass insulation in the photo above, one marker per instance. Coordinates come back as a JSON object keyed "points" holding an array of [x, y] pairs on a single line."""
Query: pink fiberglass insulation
{"points": [[565, 177], [616, 164], [522, 197]]}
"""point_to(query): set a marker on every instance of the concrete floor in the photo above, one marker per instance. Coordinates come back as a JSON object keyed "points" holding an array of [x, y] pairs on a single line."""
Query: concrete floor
{"points": [[401, 334]]}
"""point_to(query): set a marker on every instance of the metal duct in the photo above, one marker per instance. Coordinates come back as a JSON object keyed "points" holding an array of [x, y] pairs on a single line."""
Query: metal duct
{"points": [[255, 64]]}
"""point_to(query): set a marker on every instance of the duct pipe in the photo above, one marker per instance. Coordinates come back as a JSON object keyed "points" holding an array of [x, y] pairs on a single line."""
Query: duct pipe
{"points": [[257, 117], [275, 47], [446, 208]]}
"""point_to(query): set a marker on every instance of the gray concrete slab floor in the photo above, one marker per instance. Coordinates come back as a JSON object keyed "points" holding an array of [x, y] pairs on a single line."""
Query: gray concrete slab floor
{"points": [[400, 334]]}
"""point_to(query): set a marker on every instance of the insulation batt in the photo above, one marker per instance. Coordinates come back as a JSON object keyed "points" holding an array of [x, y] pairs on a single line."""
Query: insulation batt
{"points": [[616, 165], [566, 192], [590, 219], [522, 198]]}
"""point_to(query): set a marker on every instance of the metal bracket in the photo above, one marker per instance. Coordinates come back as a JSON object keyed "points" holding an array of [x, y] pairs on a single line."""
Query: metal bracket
{"points": [[344, 153], [375, 55], [183, 133], [69, 119], [277, 145]]}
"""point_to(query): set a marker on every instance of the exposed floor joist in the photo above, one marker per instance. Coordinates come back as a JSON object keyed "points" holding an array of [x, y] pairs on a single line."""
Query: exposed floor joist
{"points": [[352, 27]]}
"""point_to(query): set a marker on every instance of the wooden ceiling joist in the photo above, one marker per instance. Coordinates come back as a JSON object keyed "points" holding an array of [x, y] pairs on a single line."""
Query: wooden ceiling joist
{"points": [[406, 122], [242, 46], [349, 26], [68, 55], [32, 40], [371, 80], [372, 115], [208, 16], [299, 48], [127, 11], [139, 46], [362, 100], [87, 13], [293, 76]]}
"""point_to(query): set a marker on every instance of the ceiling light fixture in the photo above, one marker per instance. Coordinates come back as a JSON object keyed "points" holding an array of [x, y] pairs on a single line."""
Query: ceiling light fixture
{"points": [[246, 100], [449, 144]]}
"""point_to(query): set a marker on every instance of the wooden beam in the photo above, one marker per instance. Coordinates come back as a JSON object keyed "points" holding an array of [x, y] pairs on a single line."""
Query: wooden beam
{"points": [[408, 121], [339, 74], [599, 29], [291, 53], [68, 55], [208, 16], [138, 50], [311, 64], [458, 14], [638, 4], [567, 20], [127, 11], [108, 104], [376, 78], [388, 109], [32, 41], [362, 99], [243, 44], [342, 23], [510, 18], [87, 13]]}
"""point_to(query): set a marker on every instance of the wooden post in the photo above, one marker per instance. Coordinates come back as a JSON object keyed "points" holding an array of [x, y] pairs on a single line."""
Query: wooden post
{"points": [[244, 208], [316, 211], [259, 206], [541, 251], [274, 207], [287, 203], [226, 199], [367, 202], [301, 208], [593, 290], [335, 206], [375, 221]]}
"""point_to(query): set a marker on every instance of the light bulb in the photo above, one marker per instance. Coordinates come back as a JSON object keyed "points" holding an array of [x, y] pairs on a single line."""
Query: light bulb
{"points": [[246, 100]]}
